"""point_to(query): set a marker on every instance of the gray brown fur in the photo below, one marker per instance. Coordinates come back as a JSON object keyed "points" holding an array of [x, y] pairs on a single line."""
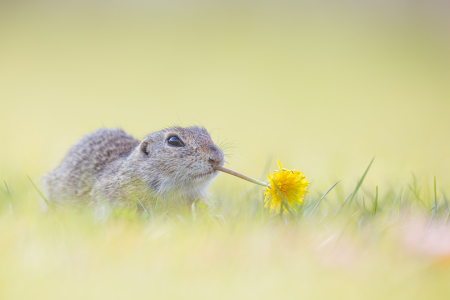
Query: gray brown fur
{"points": [[111, 165]]}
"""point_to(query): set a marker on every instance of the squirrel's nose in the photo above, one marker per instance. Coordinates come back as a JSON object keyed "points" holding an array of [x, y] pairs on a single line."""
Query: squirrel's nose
{"points": [[216, 157], [215, 162]]}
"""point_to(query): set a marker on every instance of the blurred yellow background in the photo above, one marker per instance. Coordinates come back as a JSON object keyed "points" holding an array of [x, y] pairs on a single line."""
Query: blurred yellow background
{"points": [[321, 87]]}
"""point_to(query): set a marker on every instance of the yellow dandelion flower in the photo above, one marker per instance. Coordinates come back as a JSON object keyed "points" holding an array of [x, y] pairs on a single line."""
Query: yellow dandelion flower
{"points": [[287, 187]]}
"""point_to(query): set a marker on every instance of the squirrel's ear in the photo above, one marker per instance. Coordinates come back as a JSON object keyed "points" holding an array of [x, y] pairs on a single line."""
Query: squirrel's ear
{"points": [[144, 147]]}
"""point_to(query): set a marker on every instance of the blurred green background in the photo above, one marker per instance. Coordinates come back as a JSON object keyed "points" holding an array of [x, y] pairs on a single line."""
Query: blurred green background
{"points": [[322, 87]]}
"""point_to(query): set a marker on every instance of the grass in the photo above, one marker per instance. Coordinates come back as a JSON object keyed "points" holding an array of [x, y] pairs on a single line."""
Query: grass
{"points": [[230, 249]]}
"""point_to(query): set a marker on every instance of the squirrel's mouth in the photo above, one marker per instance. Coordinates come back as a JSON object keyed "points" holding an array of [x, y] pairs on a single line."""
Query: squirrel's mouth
{"points": [[204, 175]]}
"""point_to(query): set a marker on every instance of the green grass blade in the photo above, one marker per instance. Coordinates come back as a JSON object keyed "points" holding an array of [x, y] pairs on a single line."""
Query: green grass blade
{"points": [[7, 189], [417, 196], [448, 216], [343, 204], [49, 203], [10, 199], [358, 185], [148, 215], [326, 193], [318, 201], [375, 203], [435, 198]]}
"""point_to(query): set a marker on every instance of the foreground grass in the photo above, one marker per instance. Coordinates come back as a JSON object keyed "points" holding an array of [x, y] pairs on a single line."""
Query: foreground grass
{"points": [[231, 249]]}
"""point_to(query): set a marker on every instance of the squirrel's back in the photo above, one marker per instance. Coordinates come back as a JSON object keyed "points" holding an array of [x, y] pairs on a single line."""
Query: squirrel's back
{"points": [[74, 178]]}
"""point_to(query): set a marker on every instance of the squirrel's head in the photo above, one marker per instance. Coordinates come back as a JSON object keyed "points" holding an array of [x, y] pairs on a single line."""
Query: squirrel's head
{"points": [[179, 161]]}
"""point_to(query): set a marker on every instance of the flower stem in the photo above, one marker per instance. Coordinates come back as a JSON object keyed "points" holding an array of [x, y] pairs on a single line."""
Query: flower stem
{"points": [[225, 170]]}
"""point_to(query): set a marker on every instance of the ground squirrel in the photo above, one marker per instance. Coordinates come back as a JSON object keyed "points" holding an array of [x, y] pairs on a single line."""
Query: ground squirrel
{"points": [[110, 165]]}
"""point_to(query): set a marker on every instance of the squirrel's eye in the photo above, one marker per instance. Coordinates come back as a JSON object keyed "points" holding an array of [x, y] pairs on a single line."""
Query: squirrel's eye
{"points": [[174, 141]]}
